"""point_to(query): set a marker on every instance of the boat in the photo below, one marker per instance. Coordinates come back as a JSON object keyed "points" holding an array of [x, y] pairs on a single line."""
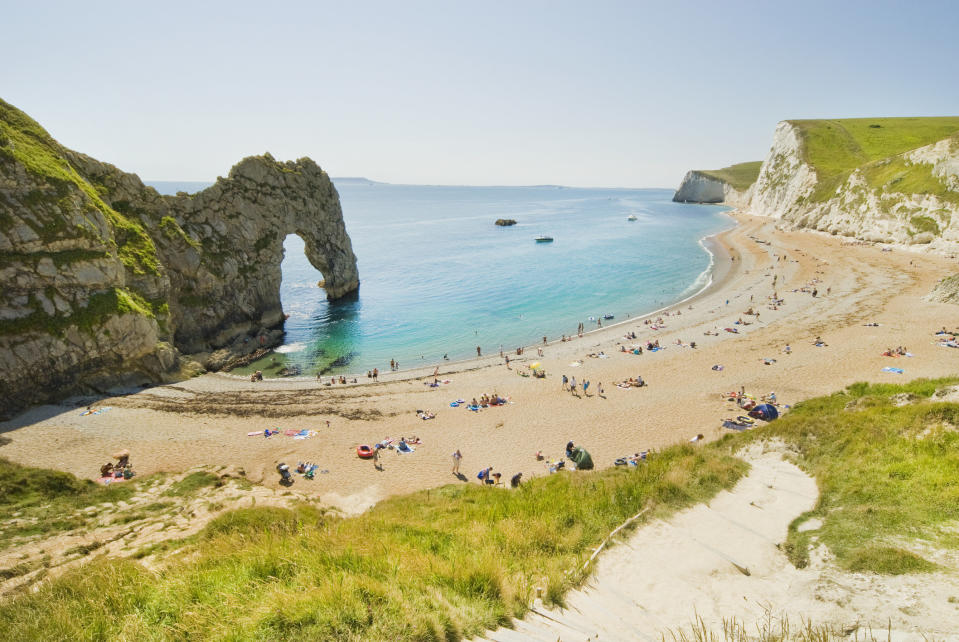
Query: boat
{"points": [[364, 452], [542, 238], [608, 317], [632, 217]]}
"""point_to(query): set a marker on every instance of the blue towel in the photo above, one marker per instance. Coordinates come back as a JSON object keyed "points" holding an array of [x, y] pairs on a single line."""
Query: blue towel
{"points": [[891, 369]]}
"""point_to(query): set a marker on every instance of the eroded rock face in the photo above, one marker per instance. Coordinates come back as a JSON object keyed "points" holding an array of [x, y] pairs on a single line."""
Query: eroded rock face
{"points": [[105, 281], [701, 188], [232, 248], [856, 209]]}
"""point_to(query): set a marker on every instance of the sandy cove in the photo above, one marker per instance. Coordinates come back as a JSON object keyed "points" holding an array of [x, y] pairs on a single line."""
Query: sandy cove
{"points": [[205, 421]]}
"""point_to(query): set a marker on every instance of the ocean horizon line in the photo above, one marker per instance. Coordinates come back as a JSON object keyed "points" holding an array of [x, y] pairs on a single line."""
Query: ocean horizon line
{"points": [[370, 181]]}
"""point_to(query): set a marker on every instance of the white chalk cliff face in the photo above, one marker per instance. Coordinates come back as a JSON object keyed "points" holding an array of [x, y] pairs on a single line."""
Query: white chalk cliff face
{"points": [[702, 188], [857, 209]]}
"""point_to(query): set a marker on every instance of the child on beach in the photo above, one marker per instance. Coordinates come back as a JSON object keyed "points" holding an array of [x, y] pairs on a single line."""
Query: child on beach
{"points": [[457, 457]]}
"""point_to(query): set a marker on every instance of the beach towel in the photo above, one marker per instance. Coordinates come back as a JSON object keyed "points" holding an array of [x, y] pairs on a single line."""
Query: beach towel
{"points": [[404, 447], [454, 404], [95, 411], [289, 433], [893, 370], [733, 330], [255, 433], [734, 426]]}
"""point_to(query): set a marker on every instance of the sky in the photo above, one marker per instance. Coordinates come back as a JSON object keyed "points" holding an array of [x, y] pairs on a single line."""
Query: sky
{"points": [[605, 94]]}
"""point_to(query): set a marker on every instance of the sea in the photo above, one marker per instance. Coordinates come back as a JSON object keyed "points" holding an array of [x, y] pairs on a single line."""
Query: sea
{"points": [[438, 279]]}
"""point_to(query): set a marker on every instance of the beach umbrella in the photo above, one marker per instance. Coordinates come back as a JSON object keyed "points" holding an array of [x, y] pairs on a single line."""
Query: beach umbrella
{"points": [[534, 366]]}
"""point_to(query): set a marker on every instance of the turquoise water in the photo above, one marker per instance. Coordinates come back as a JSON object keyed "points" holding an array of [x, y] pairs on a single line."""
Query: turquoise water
{"points": [[438, 278]]}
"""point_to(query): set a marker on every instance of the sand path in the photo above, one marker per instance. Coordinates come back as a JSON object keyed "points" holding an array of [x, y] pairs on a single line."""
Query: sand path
{"points": [[205, 421], [692, 570]]}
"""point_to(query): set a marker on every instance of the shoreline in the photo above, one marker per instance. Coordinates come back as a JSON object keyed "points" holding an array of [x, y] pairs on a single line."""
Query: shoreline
{"points": [[719, 272], [204, 421]]}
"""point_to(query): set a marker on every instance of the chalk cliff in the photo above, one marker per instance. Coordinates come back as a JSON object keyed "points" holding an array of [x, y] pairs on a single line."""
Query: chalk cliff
{"points": [[730, 185], [699, 187], [106, 281], [910, 198]]}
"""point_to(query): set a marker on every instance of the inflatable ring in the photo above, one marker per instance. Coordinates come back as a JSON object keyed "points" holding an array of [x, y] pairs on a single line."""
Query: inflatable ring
{"points": [[620, 462], [743, 419], [364, 452]]}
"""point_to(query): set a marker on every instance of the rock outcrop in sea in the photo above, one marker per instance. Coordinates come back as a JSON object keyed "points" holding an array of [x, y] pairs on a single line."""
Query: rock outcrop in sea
{"points": [[107, 282]]}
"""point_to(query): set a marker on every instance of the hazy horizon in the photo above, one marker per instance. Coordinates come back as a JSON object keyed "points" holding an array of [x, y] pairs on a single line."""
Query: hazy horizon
{"points": [[616, 94]]}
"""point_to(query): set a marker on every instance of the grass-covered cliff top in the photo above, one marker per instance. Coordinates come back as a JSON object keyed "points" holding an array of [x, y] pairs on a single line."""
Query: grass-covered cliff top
{"points": [[837, 147], [24, 141], [448, 562], [740, 176]]}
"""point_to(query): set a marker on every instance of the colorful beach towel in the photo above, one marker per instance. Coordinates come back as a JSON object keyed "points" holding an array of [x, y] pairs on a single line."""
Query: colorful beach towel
{"points": [[893, 370]]}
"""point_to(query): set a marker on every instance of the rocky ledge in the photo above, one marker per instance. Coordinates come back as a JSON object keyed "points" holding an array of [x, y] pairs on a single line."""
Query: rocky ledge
{"points": [[108, 282]]}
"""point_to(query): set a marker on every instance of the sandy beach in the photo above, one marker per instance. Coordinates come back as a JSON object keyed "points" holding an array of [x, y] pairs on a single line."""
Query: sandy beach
{"points": [[205, 421]]}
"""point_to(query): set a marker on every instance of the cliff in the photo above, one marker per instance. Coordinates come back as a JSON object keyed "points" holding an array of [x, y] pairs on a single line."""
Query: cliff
{"points": [[729, 185], [893, 180], [106, 281]]}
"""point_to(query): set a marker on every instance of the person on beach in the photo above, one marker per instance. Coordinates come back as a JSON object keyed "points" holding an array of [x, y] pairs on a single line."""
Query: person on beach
{"points": [[457, 458], [392, 364], [572, 385], [485, 476], [478, 352], [376, 374], [565, 383], [506, 356], [599, 390], [544, 339], [586, 387]]}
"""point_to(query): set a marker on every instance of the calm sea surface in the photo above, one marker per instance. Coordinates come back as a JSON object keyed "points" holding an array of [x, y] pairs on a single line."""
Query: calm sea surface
{"points": [[438, 278]]}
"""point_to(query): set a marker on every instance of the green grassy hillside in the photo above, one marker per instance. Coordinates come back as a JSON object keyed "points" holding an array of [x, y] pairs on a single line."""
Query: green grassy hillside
{"points": [[432, 565], [452, 561], [837, 147], [740, 175]]}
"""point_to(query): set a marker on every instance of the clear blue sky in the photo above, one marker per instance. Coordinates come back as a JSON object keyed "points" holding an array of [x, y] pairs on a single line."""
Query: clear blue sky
{"points": [[575, 93]]}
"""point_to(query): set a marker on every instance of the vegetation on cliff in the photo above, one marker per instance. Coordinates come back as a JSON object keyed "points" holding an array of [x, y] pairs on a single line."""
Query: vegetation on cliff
{"points": [[23, 140], [835, 148], [739, 176]]}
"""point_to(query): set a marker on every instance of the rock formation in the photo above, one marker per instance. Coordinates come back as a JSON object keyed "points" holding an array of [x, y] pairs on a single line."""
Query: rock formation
{"points": [[505, 222], [730, 185], [910, 198], [890, 180], [106, 281], [699, 187]]}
